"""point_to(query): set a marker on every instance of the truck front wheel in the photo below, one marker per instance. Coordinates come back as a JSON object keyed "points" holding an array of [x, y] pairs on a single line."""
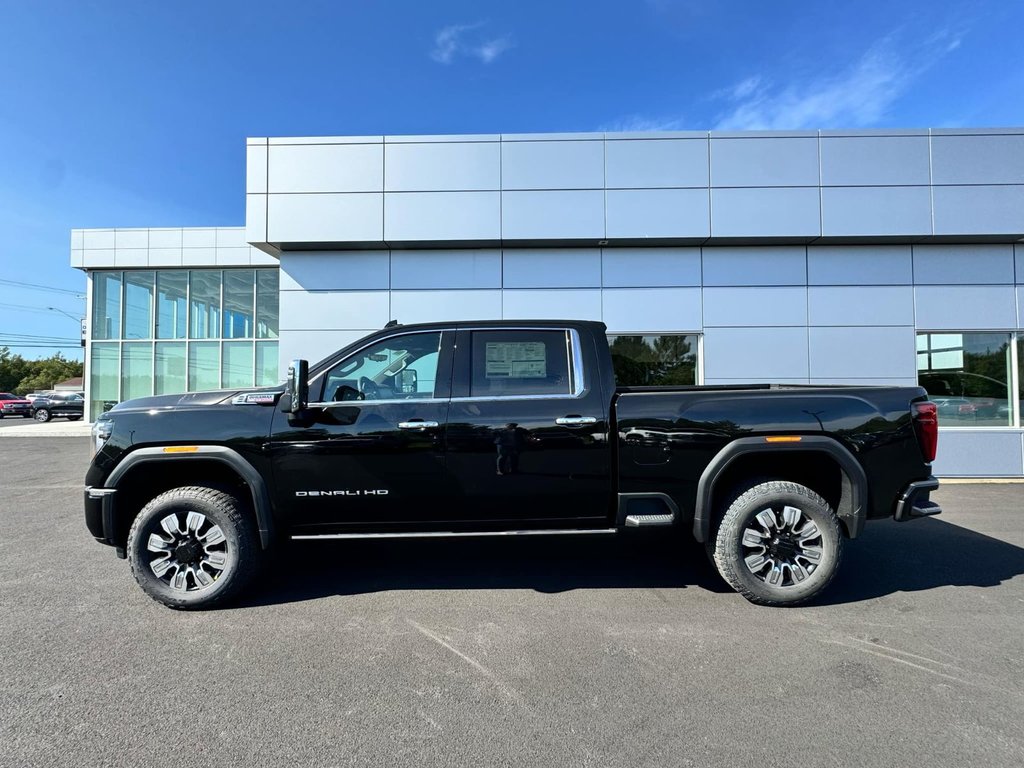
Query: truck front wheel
{"points": [[778, 543], [193, 547]]}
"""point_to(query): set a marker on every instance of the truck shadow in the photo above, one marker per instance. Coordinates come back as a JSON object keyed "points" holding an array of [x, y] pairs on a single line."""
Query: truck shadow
{"points": [[888, 558], [892, 557]]}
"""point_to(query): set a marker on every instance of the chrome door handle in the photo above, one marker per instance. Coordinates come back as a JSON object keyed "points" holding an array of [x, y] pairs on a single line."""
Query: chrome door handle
{"points": [[418, 424], [575, 421]]}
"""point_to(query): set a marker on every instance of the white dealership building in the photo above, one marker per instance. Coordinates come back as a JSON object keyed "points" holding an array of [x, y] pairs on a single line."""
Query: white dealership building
{"points": [[811, 257]]}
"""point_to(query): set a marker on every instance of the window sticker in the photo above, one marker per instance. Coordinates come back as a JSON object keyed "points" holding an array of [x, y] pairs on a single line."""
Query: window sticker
{"points": [[515, 360]]}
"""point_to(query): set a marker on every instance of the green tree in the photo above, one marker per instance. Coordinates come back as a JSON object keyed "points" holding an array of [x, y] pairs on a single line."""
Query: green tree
{"points": [[22, 376], [653, 360], [13, 368]]}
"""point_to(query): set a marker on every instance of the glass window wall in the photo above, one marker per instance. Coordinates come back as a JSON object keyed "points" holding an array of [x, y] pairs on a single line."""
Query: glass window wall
{"points": [[136, 370], [266, 364], [213, 315], [203, 366], [171, 304], [106, 305], [969, 376], [170, 368], [650, 361], [267, 301], [138, 305], [204, 304], [103, 378], [237, 364], [239, 307]]}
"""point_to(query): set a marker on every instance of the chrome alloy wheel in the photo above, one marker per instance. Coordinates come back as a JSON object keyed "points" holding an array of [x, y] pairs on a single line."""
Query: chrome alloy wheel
{"points": [[782, 549], [188, 558]]}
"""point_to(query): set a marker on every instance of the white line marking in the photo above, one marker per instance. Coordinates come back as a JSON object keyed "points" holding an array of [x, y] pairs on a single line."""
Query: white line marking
{"points": [[512, 694]]}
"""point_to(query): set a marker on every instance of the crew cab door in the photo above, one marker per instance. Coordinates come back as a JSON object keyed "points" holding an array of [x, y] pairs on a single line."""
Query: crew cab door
{"points": [[527, 434], [370, 448]]}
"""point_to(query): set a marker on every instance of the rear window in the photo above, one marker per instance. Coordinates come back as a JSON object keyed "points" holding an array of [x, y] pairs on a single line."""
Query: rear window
{"points": [[8, 396], [510, 363]]}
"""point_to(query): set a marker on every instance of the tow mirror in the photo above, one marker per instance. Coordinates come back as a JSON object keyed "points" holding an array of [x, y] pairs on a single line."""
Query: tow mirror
{"points": [[298, 385]]}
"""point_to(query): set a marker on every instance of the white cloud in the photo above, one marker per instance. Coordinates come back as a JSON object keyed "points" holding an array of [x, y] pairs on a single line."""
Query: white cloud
{"points": [[457, 40], [489, 50], [634, 123], [859, 95]]}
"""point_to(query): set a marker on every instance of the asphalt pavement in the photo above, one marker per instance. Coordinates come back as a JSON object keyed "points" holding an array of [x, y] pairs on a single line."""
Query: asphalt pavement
{"points": [[589, 651]]}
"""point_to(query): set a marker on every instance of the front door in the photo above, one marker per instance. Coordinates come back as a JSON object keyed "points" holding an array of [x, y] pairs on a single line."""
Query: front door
{"points": [[370, 449], [528, 430]]}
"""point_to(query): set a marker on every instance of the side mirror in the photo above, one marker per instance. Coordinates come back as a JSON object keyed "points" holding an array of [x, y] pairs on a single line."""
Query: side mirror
{"points": [[298, 385]]}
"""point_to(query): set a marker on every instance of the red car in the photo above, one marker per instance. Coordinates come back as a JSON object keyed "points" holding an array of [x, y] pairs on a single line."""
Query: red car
{"points": [[13, 405]]}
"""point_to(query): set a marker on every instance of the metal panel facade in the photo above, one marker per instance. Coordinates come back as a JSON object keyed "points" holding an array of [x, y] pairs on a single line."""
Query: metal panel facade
{"points": [[801, 257]]}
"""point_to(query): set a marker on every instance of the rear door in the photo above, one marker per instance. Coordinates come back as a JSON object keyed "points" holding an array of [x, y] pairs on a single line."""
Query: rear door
{"points": [[527, 439]]}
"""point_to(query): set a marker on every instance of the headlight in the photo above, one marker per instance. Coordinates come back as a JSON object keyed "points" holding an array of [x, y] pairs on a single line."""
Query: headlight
{"points": [[101, 430]]}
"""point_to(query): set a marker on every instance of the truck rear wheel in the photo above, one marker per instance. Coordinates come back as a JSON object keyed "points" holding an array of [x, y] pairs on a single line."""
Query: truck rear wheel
{"points": [[193, 547], [778, 543]]}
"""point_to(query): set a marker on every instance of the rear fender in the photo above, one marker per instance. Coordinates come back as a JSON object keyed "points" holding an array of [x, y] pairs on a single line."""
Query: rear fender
{"points": [[855, 483]]}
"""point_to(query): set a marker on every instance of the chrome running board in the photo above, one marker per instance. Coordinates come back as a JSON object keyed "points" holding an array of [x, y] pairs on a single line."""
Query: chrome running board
{"points": [[453, 534], [649, 521]]}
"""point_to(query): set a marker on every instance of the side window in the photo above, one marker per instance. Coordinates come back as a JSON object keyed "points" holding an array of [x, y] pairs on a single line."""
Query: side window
{"points": [[399, 368], [507, 363]]}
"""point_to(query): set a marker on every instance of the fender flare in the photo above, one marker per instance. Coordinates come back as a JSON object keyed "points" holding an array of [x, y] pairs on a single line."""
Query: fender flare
{"points": [[852, 514], [257, 487]]}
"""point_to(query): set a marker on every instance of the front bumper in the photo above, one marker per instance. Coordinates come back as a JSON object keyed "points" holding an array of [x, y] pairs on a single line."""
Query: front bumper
{"points": [[914, 502], [99, 514]]}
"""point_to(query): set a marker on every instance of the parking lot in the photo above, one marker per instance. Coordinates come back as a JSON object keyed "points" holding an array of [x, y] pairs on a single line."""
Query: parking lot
{"points": [[605, 652]]}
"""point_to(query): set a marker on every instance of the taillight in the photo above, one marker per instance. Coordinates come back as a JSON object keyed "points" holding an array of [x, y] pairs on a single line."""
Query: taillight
{"points": [[926, 427]]}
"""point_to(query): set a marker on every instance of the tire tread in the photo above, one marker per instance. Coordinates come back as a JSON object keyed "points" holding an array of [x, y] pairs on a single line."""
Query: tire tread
{"points": [[232, 508], [730, 522]]}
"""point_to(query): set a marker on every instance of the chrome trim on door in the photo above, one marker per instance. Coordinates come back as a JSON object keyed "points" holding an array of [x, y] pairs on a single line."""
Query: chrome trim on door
{"points": [[575, 421], [418, 424], [454, 534]]}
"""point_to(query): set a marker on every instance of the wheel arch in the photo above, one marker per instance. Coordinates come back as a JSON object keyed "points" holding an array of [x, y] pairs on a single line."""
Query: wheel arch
{"points": [[207, 463], [846, 488]]}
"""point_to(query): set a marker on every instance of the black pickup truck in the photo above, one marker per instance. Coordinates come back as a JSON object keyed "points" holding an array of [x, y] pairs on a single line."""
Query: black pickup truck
{"points": [[486, 428]]}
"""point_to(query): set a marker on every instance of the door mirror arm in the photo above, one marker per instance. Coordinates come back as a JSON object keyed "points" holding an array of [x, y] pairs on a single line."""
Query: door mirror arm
{"points": [[298, 387]]}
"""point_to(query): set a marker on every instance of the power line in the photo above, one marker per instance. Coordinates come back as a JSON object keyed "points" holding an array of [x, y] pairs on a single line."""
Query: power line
{"points": [[7, 341], [37, 287], [10, 334], [25, 307], [40, 346]]}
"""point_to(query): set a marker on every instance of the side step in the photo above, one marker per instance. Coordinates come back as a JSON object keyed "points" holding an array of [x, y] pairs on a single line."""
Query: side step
{"points": [[646, 510], [649, 521]]}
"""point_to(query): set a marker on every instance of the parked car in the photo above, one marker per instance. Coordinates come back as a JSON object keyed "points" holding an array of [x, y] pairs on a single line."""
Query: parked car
{"points": [[489, 428], [70, 405], [32, 396], [14, 405]]}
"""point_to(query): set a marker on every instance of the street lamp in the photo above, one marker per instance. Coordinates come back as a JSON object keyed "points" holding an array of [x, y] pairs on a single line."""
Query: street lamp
{"points": [[79, 320]]}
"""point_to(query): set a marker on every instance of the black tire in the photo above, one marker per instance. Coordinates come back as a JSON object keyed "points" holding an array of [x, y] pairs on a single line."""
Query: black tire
{"points": [[239, 552], [42, 415], [74, 418], [731, 553]]}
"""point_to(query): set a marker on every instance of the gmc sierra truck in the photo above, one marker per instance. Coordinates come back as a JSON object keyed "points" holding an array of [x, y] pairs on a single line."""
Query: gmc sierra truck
{"points": [[488, 428]]}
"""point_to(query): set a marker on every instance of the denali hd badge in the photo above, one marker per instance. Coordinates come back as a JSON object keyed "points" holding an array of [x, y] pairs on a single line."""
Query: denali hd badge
{"points": [[382, 492]]}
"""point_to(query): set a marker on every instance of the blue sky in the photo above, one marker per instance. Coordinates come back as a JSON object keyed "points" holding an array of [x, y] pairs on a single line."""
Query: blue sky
{"points": [[135, 113]]}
